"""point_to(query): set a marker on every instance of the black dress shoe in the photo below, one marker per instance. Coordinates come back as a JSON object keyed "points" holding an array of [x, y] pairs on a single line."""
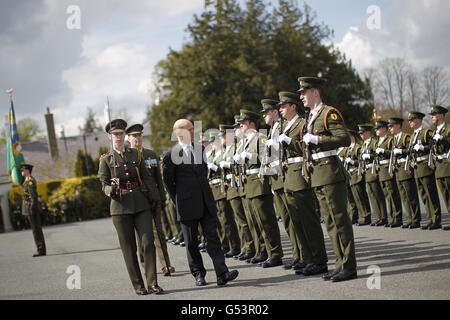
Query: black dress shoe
{"points": [[327, 276], [396, 224], [141, 291], [374, 224], [344, 275], [246, 256], [236, 257], [269, 263], [312, 269], [39, 254], [227, 277], [258, 258], [299, 265], [414, 225], [232, 253], [406, 226], [381, 222], [200, 280], [426, 226], [366, 222], [434, 226], [155, 289], [289, 265], [446, 228]]}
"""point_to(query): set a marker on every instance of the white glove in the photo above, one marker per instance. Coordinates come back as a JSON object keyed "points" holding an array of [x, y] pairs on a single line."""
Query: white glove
{"points": [[379, 150], [418, 147], [365, 156], [212, 166], [284, 138], [246, 155], [310, 138], [270, 143], [438, 137], [398, 151], [349, 160], [237, 157], [224, 164]]}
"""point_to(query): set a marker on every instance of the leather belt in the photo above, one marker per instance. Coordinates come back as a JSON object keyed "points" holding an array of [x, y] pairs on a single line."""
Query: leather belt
{"points": [[129, 185], [325, 154]]}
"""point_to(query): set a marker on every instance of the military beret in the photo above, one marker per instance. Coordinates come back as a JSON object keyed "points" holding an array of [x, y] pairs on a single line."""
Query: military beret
{"points": [[288, 97], [26, 166], [380, 124], [415, 115], [225, 127], [310, 82], [135, 128], [249, 115], [269, 104], [395, 120], [364, 127], [438, 109], [116, 125]]}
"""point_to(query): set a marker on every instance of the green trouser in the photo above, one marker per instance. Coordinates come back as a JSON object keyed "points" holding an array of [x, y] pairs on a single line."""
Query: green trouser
{"points": [[430, 198], [394, 203], [361, 199], [126, 225], [38, 235], [377, 200], [444, 187], [267, 222], [302, 210], [281, 207], [229, 227], [410, 199], [333, 204], [241, 221], [160, 245], [257, 241], [351, 205]]}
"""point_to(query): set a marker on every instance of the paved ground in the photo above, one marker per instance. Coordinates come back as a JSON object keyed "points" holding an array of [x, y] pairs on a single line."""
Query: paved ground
{"points": [[412, 264]]}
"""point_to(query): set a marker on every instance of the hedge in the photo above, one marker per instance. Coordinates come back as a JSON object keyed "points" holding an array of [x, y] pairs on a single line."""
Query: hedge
{"points": [[97, 204]]}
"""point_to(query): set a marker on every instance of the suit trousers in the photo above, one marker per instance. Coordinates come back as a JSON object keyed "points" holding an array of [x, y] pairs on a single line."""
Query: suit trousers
{"points": [[126, 225], [35, 223], [209, 224], [430, 198], [410, 199]]}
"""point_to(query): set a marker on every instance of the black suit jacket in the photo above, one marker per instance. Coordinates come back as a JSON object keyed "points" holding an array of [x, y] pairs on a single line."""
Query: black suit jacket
{"points": [[187, 183]]}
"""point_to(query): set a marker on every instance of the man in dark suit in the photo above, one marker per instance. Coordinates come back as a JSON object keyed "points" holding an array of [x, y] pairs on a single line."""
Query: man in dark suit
{"points": [[185, 178]]}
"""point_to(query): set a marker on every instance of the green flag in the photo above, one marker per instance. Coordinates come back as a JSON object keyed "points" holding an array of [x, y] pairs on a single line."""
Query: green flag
{"points": [[14, 154]]}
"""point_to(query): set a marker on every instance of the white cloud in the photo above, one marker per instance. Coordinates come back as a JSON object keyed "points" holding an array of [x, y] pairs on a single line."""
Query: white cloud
{"points": [[414, 30]]}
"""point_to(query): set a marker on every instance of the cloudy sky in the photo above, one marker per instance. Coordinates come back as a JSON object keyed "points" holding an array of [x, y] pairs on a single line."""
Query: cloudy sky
{"points": [[53, 57]]}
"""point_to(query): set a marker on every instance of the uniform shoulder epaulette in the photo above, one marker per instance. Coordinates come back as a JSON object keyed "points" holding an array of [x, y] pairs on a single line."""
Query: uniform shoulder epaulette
{"points": [[428, 132], [406, 139], [389, 143]]}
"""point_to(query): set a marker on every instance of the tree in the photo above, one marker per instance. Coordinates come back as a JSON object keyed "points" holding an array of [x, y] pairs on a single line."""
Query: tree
{"points": [[234, 58], [27, 128], [90, 123], [436, 85], [84, 165]]}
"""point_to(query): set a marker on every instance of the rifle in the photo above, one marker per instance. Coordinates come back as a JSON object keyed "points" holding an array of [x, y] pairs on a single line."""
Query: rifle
{"points": [[375, 164], [410, 157], [307, 156], [265, 159], [116, 192], [222, 172], [242, 166], [392, 162], [361, 164], [234, 168], [433, 152], [282, 154]]}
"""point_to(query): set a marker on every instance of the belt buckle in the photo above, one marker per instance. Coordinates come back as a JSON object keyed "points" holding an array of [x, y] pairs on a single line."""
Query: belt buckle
{"points": [[128, 185]]}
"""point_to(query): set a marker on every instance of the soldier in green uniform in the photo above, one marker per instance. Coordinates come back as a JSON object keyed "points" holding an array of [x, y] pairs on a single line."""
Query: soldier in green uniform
{"points": [[351, 203], [418, 152], [134, 199], [234, 192], [366, 167], [298, 192], [271, 167], [152, 165], [405, 180], [324, 133], [441, 137], [258, 192], [219, 188], [383, 149], [256, 252], [30, 208]]}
